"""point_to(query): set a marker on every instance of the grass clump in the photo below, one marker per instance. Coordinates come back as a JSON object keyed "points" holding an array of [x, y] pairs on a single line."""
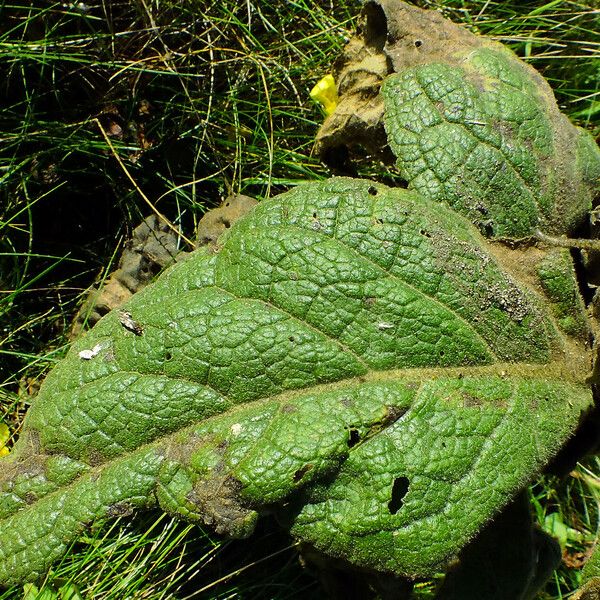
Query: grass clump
{"points": [[114, 110]]}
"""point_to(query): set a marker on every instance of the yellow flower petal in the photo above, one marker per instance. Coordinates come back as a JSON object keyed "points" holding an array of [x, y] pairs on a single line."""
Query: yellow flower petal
{"points": [[325, 93], [4, 435]]}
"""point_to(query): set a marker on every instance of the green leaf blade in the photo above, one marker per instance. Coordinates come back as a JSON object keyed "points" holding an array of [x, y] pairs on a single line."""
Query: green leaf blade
{"points": [[495, 430], [341, 331], [483, 129]]}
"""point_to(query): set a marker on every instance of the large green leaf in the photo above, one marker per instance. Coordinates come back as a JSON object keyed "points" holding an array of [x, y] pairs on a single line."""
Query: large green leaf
{"points": [[349, 356], [483, 129]]}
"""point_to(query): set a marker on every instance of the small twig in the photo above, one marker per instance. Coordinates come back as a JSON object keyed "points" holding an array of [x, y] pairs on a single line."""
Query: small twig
{"points": [[580, 243]]}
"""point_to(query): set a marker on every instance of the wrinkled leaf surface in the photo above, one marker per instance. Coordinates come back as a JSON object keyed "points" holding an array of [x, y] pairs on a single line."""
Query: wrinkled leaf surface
{"points": [[351, 357]]}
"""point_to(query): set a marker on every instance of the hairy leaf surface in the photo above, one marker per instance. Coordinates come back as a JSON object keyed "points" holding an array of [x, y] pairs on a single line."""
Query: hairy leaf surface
{"points": [[350, 356], [483, 129]]}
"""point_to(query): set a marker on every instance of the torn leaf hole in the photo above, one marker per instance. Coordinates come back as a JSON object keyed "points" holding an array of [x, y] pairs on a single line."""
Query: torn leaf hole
{"points": [[399, 490], [300, 473], [418, 43], [353, 437], [579, 263], [168, 356], [372, 190], [488, 228]]}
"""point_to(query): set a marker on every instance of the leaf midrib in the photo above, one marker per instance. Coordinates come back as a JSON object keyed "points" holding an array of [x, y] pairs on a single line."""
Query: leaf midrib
{"points": [[559, 370]]}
